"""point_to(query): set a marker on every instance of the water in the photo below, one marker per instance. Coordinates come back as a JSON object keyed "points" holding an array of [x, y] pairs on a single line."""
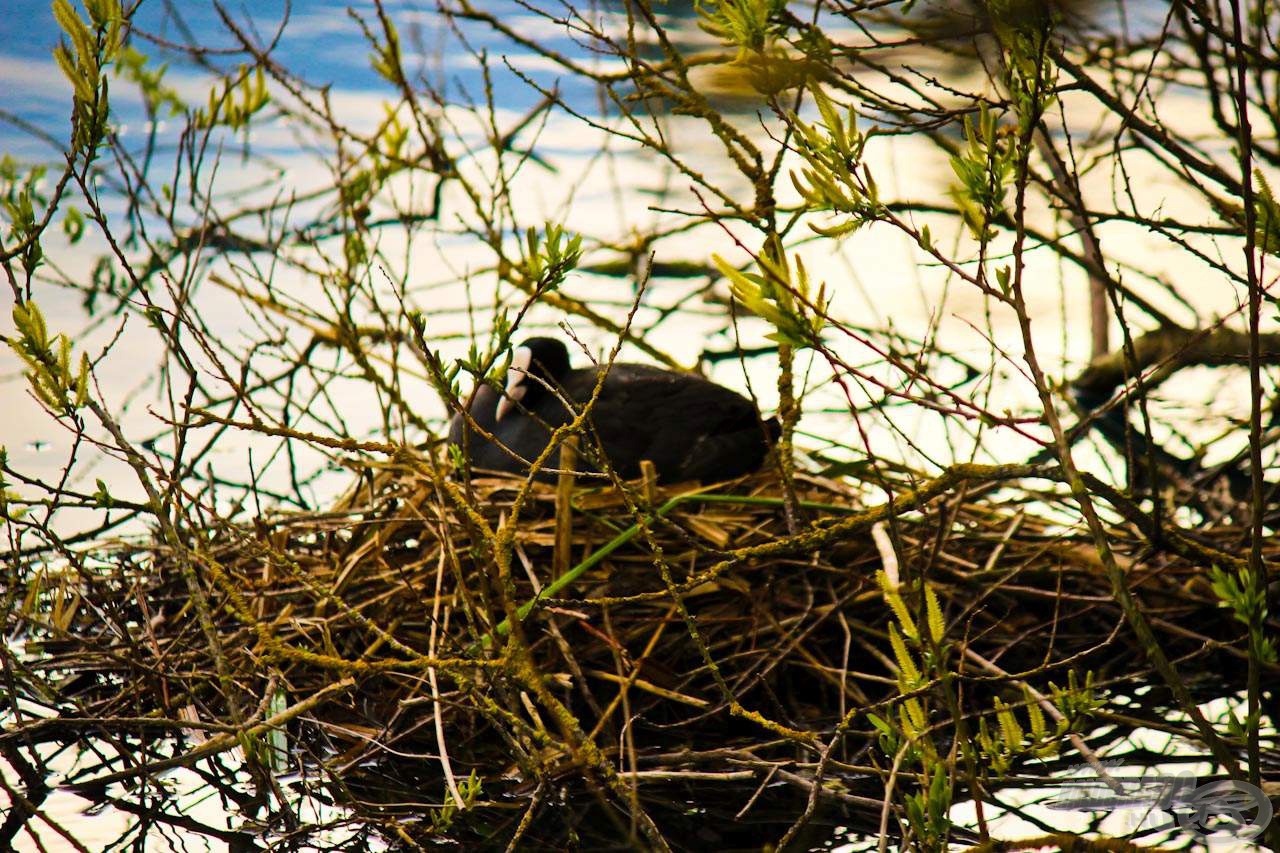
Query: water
{"points": [[878, 278]]}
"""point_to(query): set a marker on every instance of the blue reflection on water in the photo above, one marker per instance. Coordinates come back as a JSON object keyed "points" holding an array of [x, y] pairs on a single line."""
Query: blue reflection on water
{"points": [[322, 43]]}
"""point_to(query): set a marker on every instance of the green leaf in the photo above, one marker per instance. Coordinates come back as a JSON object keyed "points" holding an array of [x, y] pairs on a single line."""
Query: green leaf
{"points": [[919, 719], [894, 599], [880, 723], [906, 665], [1010, 730], [1035, 716], [933, 613], [82, 381], [73, 224], [1002, 278]]}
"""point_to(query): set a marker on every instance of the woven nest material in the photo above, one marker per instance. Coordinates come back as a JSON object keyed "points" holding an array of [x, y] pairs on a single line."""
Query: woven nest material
{"points": [[695, 673]]}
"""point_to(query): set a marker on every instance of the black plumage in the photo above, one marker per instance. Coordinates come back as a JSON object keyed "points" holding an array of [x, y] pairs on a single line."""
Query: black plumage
{"points": [[688, 426]]}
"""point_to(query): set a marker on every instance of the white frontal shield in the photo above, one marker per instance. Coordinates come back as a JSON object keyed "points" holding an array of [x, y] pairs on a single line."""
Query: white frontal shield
{"points": [[516, 375]]}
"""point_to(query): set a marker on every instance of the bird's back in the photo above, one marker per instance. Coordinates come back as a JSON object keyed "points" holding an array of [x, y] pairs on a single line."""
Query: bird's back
{"points": [[688, 426]]}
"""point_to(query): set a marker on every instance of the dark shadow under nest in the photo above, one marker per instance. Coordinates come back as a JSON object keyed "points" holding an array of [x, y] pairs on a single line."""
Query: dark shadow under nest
{"points": [[713, 696]]}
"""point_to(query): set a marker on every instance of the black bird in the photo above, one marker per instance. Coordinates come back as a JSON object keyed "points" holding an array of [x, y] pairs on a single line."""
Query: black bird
{"points": [[689, 427]]}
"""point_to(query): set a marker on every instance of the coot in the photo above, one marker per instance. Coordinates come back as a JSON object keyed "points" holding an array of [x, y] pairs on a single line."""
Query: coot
{"points": [[689, 427]]}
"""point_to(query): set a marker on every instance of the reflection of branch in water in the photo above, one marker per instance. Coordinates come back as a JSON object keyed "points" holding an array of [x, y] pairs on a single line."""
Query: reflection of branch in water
{"points": [[1159, 355]]}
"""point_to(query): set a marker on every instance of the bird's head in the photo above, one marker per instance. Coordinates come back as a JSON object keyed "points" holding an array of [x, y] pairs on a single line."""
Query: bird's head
{"points": [[536, 365]]}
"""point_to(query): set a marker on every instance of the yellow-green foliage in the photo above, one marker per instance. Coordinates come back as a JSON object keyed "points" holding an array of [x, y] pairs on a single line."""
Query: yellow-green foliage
{"points": [[1267, 216], [983, 168], [48, 361], [1248, 602], [8, 512], [1002, 737], [749, 25], [780, 293], [235, 100], [469, 790], [92, 46], [131, 64], [1007, 740], [19, 197], [386, 57], [550, 256], [834, 177]]}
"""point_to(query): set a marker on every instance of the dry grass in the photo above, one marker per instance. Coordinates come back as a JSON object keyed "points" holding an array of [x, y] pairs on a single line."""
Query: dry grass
{"points": [[368, 637]]}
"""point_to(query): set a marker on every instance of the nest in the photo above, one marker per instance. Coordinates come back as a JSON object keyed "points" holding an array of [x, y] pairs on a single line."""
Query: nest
{"points": [[706, 675]]}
